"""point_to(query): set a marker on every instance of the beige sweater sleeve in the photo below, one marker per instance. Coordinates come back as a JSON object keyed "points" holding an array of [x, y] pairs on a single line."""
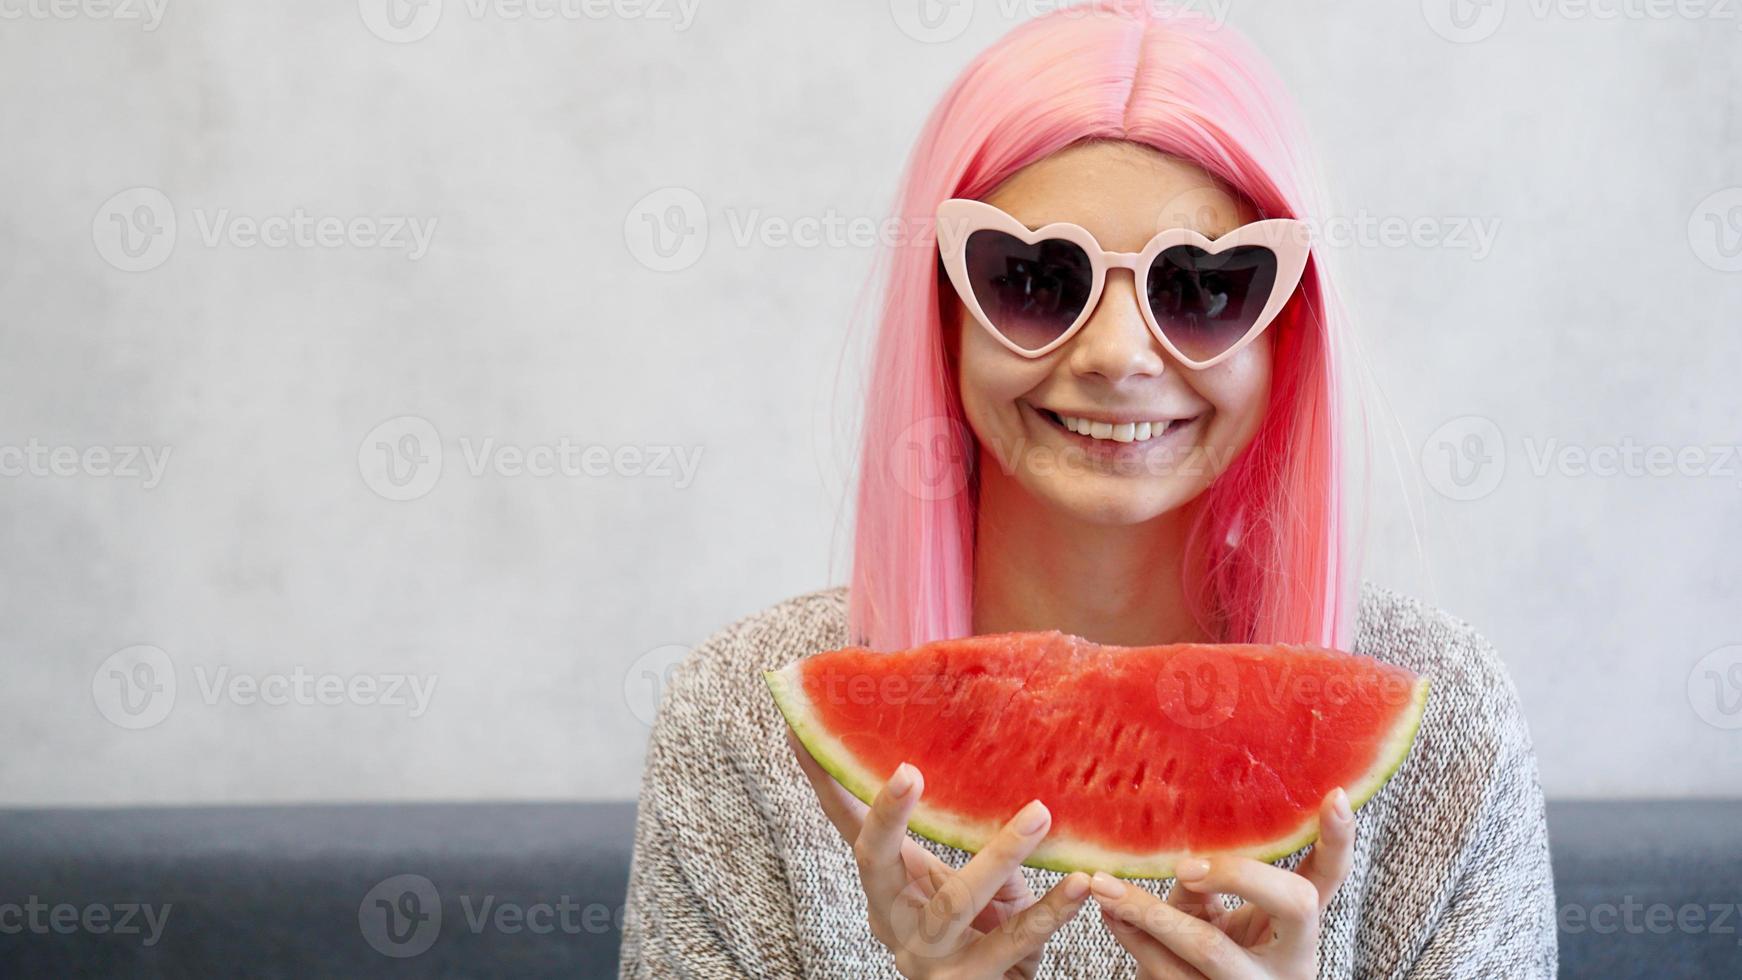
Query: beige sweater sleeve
{"points": [[1460, 884], [1500, 917], [707, 895]]}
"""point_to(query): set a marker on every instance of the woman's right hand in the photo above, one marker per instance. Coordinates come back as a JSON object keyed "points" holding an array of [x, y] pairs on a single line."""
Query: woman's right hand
{"points": [[977, 922]]}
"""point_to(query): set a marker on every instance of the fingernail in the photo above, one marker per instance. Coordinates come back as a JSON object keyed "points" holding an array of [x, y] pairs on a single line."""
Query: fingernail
{"points": [[1032, 818], [1106, 886], [1192, 868], [902, 782], [1341, 805], [1076, 885]]}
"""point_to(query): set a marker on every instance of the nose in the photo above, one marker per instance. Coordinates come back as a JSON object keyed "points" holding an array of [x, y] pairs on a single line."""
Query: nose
{"points": [[1116, 343]]}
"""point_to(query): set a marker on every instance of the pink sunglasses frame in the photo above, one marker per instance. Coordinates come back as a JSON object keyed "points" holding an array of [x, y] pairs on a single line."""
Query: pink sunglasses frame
{"points": [[958, 218]]}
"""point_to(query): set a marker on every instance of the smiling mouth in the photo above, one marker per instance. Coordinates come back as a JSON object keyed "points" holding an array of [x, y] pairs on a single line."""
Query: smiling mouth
{"points": [[1133, 431]]}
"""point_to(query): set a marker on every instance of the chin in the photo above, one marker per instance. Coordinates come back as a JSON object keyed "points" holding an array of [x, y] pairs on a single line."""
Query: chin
{"points": [[1112, 501]]}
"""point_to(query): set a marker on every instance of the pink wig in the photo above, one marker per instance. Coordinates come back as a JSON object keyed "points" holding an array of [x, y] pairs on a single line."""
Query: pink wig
{"points": [[1266, 557]]}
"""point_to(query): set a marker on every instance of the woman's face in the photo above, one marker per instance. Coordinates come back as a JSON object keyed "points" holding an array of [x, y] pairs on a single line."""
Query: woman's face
{"points": [[1113, 371]]}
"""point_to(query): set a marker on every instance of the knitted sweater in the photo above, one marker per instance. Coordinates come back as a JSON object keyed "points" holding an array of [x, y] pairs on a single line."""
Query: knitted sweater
{"points": [[738, 873]]}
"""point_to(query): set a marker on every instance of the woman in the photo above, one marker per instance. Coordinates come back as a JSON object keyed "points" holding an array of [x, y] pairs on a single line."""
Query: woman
{"points": [[1053, 442]]}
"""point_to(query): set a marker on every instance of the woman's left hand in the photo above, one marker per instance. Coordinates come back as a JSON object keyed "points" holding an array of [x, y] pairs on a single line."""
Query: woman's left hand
{"points": [[1275, 934]]}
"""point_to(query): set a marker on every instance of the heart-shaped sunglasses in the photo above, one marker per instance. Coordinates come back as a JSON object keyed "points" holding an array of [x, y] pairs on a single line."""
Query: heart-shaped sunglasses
{"points": [[1203, 299]]}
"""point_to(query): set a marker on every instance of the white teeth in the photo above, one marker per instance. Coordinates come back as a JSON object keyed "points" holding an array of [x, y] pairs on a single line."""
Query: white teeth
{"points": [[1115, 432]]}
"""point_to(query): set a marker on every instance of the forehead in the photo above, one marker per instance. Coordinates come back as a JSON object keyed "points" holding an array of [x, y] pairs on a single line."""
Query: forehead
{"points": [[1123, 193]]}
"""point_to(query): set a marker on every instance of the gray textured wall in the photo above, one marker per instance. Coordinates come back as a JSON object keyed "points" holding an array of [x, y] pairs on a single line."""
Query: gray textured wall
{"points": [[425, 233]]}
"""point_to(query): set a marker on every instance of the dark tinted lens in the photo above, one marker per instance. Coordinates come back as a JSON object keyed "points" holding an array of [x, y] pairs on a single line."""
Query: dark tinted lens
{"points": [[1031, 293], [1204, 302]]}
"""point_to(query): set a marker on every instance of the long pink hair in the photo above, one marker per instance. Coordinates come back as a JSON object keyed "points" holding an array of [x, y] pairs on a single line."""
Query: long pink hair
{"points": [[1266, 557]]}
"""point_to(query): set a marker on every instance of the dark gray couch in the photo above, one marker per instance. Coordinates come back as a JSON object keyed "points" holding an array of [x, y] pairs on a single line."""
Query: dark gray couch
{"points": [[526, 890]]}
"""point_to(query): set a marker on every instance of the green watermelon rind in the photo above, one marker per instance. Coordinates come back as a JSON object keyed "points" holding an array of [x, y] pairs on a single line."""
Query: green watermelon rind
{"points": [[1063, 854]]}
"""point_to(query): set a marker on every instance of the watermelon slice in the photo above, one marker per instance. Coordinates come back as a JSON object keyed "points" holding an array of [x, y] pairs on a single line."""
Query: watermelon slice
{"points": [[1144, 755]]}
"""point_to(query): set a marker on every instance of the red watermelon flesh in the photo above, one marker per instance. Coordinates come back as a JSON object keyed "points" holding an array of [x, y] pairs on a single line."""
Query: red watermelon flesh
{"points": [[1143, 754]]}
